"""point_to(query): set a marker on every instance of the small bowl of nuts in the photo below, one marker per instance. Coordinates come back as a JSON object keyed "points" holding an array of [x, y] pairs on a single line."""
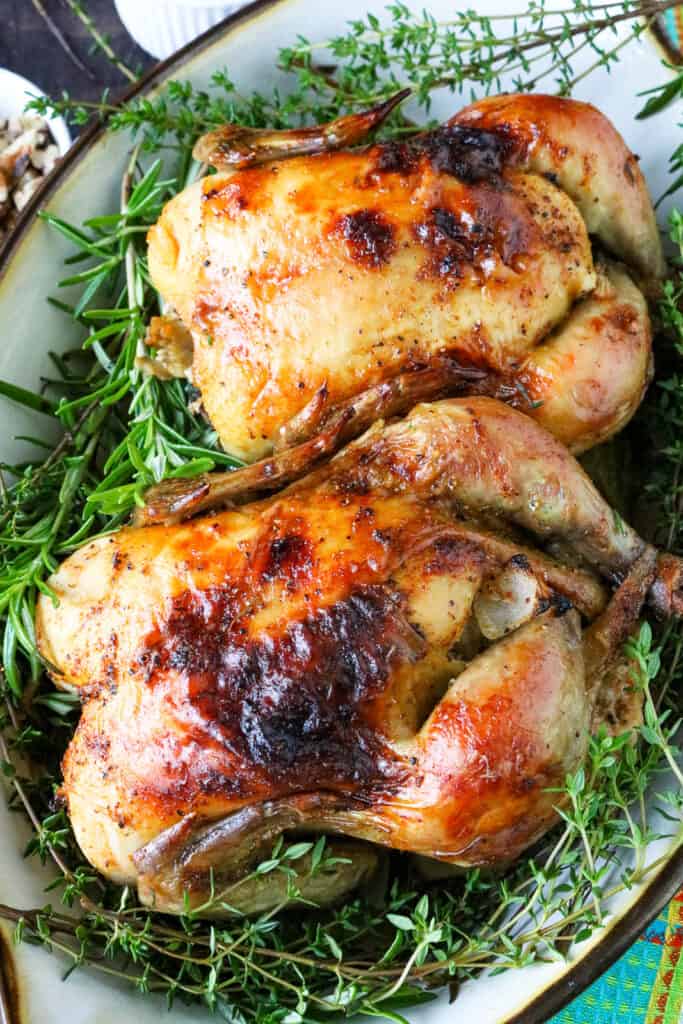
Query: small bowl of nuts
{"points": [[30, 146]]}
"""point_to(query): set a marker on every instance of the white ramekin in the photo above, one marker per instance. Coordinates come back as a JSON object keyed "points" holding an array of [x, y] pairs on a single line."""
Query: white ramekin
{"points": [[15, 92], [162, 26]]}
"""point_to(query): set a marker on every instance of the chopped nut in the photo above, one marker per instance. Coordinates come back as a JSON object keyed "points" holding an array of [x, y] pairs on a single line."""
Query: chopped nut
{"points": [[22, 195], [173, 345], [27, 154], [44, 159]]}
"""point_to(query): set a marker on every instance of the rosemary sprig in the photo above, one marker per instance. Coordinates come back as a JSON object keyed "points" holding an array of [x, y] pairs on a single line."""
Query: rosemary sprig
{"points": [[660, 96], [124, 431]]}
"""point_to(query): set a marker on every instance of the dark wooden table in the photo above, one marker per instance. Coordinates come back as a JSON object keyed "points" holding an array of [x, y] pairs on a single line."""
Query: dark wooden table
{"points": [[28, 47]]}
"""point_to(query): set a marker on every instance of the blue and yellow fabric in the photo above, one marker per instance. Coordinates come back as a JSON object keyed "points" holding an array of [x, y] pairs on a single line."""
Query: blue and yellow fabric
{"points": [[645, 986], [670, 25]]}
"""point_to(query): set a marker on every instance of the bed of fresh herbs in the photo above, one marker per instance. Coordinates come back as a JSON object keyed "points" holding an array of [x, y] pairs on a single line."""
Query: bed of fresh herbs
{"points": [[389, 948]]}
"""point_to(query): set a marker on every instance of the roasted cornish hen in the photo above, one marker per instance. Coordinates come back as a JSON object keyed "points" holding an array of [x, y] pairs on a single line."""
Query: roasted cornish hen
{"points": [[304, 273], [409, 646]]}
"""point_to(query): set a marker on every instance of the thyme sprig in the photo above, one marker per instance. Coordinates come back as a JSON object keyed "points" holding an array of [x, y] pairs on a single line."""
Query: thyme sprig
{"points": [[536, 47], [60, 37], [391, 947], [381, 953], [100, 41], [471, 48]]}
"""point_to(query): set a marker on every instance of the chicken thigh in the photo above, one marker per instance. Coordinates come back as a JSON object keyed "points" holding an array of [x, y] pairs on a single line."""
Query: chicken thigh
{"points": [[381, 652], [304, 280]]}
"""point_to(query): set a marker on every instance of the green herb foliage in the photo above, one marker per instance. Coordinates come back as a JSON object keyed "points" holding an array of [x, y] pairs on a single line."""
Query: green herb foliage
{"points": [[389, 948], [535, 49]]}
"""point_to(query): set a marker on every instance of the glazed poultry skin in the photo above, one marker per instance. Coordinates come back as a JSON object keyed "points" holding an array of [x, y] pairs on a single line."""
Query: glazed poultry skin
{"points": [[380, 652], [305, 281]]}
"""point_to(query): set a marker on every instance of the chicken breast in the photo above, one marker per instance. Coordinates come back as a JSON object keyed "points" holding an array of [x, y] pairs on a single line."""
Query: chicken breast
{"points": [[374, 653], [305, 281]]}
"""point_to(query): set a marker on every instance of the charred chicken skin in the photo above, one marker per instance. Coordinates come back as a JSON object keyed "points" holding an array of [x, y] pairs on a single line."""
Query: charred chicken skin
{"points": [[304, 274], [385, 651]]}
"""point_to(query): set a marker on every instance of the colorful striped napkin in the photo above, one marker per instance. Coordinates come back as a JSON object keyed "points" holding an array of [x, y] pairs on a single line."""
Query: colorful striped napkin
{"points": [[645, 986]]}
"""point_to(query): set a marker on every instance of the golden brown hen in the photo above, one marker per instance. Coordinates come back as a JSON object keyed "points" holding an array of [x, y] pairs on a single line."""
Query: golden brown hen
{"points": [[306, 279], [383, 651]]}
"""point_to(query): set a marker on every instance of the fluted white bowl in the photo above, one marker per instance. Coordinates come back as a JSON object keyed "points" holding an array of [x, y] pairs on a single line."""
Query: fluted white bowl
{"points": [[163, 26]]}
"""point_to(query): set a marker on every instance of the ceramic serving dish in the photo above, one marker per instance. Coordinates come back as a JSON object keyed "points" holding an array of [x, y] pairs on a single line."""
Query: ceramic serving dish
{"points": [[86, 183]]}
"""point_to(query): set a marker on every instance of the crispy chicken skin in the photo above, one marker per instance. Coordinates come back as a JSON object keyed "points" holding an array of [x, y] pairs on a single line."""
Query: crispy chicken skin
{"points": [[376, 652], [575, 144], [306, 280], [587, 379]]}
